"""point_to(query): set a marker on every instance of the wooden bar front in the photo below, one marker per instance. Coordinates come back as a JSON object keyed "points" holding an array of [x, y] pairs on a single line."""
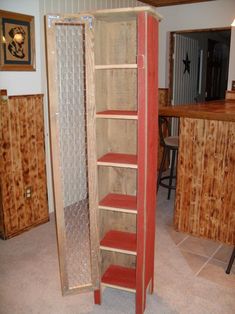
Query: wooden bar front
{"points": [[205, 198]]}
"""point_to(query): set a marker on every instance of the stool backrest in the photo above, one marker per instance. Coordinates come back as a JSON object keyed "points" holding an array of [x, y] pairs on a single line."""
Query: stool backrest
{"points": [[164, 127]]}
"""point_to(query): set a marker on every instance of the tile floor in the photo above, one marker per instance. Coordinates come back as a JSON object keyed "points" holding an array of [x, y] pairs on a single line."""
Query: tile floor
{"points": [[202, 255], [194, 268]]}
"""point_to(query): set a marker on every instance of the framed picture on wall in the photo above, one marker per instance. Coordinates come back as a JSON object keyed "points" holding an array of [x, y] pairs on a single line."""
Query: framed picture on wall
{"points": [[17, 37]]}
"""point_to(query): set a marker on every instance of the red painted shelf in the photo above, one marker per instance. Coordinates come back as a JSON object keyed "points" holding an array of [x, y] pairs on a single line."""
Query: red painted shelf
{"points": [[120, 277], [118, 114], [118, 241], [118, 160], [119, 202]]}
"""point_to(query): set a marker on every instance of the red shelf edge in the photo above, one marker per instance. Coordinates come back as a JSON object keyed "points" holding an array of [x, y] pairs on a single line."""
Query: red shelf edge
{"points": [[120, 277], [124, 241], [123, 201], [119, 158], [118, 112]]}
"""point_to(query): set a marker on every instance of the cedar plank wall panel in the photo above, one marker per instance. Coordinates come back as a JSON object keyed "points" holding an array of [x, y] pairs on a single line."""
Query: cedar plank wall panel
{"points": [[22, 164], [205, 198]]}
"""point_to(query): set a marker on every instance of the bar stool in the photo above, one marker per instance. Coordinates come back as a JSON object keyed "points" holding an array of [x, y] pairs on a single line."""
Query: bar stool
{"points": [[169, 144]]}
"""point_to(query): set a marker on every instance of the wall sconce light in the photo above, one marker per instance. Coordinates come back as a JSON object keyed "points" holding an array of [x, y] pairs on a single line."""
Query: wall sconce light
{"points": [[233, 23]]}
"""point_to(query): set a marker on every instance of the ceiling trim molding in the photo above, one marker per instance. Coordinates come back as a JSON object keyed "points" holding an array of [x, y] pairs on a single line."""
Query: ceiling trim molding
{"points": [[162, 3]]}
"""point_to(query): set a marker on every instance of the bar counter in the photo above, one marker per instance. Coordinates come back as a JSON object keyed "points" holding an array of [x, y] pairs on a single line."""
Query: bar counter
{"points": [[220, 110], [205, 192]]}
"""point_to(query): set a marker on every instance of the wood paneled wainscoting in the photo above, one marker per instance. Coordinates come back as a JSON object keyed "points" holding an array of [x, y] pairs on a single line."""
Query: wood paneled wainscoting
{"points": [[23, 190], [205, 198]]}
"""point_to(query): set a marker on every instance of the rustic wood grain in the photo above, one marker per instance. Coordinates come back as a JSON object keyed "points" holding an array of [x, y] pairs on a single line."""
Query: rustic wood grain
{"points": [[8, 214], [113, 258], [221, 110], [116, 89], [92, 168], [205, 201], [22, 165]]}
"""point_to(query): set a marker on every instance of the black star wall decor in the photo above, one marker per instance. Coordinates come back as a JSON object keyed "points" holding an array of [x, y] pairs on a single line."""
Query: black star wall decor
{"points": [[186, 64]]}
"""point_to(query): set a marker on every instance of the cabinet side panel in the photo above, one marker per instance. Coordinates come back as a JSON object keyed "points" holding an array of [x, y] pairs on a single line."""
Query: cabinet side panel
{"points": [[142, 159], [92, 157], [152, 140], [147, 153]]}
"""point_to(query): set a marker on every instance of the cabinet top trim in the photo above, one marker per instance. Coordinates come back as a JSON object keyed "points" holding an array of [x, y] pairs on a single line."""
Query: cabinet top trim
{"points": [[113, 14]]}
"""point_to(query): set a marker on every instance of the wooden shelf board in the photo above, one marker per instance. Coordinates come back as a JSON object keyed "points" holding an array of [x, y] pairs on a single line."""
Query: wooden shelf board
{"points": [[119, 202], [119, 277], [117, 114], [118, 241], [116, 66], [118, 160]]}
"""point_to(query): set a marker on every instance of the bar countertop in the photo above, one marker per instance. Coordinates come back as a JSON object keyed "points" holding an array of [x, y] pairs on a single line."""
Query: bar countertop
{"points": [[222, 110]]}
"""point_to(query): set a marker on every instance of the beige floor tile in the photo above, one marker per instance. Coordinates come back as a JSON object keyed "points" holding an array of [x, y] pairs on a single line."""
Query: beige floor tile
{"points": [[215, 271], [194, 261], [166, 220], [177, 237], [199, 246], [224, 253]]}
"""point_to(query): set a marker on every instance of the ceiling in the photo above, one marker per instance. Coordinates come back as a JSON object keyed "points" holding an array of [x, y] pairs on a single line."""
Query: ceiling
{"points": [[161, 3]]}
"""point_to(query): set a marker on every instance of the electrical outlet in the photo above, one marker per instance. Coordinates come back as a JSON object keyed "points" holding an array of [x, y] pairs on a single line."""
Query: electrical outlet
{"points": [[28, 192]]}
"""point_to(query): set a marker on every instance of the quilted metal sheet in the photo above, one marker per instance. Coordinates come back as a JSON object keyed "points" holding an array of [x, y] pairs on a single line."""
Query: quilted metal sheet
{"points": [[73, 154]]}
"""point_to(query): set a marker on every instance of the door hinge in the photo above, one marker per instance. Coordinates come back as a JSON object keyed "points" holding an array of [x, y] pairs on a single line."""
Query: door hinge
{"points": [[89, 19]]}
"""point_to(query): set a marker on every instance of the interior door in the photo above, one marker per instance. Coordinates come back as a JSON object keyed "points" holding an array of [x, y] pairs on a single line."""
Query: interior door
{"points": [[185, 75], [185, 70], [72, 119]]}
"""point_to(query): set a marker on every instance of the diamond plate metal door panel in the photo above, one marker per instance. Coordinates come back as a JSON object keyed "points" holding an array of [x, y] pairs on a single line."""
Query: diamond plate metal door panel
{"points": [[72, 119]]}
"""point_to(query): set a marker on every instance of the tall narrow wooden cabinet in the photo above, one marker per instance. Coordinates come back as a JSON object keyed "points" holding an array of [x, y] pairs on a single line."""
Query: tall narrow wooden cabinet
{"points": [[103, 84]]}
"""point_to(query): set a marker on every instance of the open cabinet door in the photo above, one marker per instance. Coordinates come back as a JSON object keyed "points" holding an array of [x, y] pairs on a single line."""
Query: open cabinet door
{"points": [[70, 57]]}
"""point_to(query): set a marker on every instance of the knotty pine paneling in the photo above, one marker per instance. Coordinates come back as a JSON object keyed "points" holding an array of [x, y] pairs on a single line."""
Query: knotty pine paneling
{"points": [[205, 198], [22, 165]]}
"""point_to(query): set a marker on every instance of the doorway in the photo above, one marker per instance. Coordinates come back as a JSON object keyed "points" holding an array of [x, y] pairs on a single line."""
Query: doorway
{"points": [[199, 62]]}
